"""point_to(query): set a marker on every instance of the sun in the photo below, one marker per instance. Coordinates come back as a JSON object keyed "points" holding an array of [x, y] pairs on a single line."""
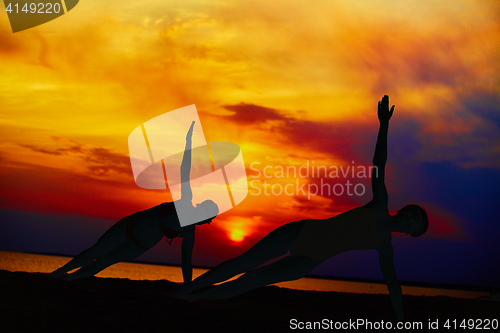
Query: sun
{"points": [[237, 235]]}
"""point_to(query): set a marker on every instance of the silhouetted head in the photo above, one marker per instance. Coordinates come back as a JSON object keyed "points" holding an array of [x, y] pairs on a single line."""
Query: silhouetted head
{"points": [[413, 219], [206, 211]]}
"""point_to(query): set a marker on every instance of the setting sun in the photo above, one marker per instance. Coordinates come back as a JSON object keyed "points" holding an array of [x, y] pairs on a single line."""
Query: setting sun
{"points": [[237, 235]]}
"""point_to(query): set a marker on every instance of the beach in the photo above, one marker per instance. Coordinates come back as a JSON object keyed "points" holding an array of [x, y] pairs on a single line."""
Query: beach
{"points": [[34, 302], [31, 301]]}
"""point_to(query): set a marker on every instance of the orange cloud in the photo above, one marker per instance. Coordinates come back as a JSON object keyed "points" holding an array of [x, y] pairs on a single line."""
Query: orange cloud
{"points": [[313, 73]]}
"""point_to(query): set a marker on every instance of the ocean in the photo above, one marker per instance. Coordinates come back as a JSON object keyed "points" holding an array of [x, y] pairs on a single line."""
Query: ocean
{"points": [[28, 262]]}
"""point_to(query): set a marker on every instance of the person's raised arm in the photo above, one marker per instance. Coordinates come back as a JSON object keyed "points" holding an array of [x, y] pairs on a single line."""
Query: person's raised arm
{"points": [[186, 193], [379, 190]]}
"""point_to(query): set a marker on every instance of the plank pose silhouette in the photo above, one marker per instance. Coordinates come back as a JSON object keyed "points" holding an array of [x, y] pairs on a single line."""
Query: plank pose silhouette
{"points": [[312, 241], [135, 234]]}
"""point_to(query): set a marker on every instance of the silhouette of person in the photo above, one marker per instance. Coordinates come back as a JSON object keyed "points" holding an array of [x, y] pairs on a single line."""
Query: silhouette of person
{"points": [[312, 241], [135, 234]]}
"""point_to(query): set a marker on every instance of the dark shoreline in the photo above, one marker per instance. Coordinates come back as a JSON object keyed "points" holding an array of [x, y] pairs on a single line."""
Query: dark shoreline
{"points": [[36, 302]]}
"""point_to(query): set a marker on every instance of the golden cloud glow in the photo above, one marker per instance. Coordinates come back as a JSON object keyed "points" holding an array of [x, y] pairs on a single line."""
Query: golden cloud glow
{"points": [[315, 71]]}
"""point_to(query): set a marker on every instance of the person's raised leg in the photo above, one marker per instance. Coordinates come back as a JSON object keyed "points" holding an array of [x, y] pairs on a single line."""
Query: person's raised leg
{"points": [[286, 269], [113, 237], [273, 245], [124, 252]]}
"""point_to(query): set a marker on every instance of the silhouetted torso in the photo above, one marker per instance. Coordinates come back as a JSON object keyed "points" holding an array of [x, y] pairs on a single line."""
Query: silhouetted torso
{"points": [[352, 230], [162, 217]]}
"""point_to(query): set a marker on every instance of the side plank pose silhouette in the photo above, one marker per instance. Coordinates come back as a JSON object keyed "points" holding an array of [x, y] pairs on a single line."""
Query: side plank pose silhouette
{"points": [[135, 234], [312, 241]]}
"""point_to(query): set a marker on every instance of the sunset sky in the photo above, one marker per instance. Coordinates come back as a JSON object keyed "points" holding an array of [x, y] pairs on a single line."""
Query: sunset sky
{"points": [[293, 83]]}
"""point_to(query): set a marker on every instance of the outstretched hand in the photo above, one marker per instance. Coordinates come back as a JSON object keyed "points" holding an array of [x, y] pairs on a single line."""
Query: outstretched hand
{"points": [[190, 132], [383, 109]]}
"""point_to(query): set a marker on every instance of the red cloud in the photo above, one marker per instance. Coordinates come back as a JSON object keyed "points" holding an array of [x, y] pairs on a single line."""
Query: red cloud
{"points": [[346, 139], [250, 113], [102, 160]]}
